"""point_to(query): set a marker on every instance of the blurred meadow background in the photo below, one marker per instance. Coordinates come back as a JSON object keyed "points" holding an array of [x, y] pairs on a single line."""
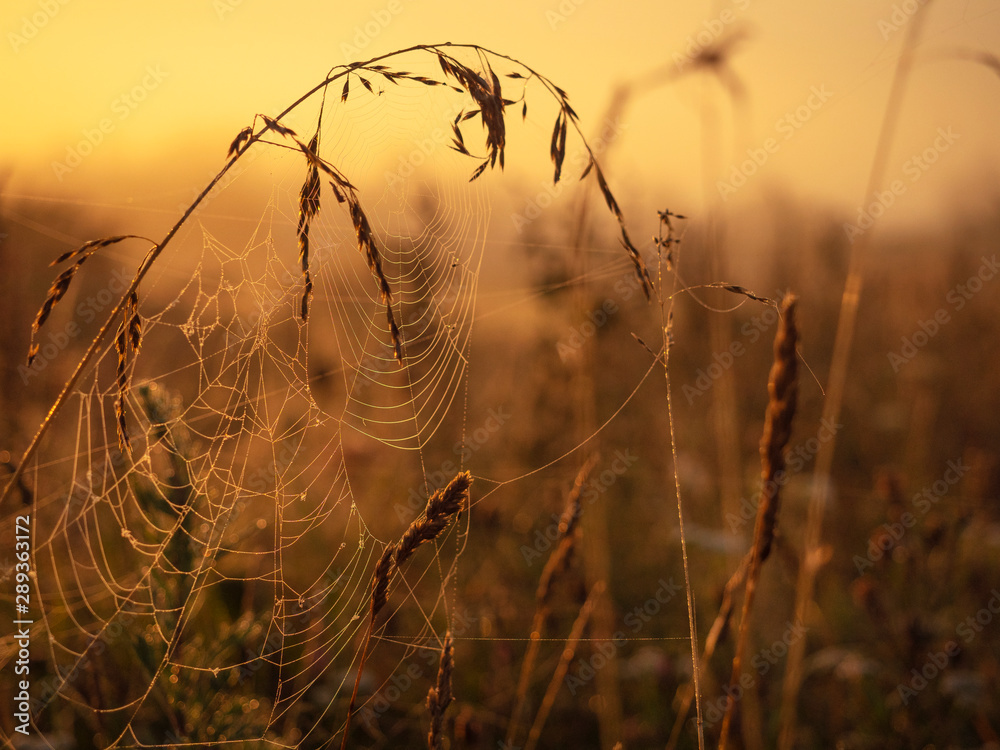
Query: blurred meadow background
{"points": [[790, 155]]}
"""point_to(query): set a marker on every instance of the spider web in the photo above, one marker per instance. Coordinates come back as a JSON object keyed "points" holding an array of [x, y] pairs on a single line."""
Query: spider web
{"points": [[222, 565]]}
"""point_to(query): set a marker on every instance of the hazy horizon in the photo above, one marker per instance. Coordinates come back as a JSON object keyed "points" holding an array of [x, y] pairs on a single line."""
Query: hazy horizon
{"points": [[106, 97]]}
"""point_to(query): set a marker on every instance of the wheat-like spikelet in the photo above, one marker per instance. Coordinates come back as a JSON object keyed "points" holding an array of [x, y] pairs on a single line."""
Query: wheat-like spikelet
{"points": [[345, 192], [557, 148], [61, 283], [558, 562], [441, 506], [640, 266], [491, 110], [276, 126], [367, 245], [439, 696], [782, 389], [561, 557], [127, 347], [381, 578], [394, 334], [737, 289], [56, 292], [574, 503], [489, 97], [308, 209], [239, 144]]}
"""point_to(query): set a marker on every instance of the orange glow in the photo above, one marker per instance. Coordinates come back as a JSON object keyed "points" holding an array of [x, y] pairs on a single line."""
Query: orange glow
{"points": [[136, 83]]}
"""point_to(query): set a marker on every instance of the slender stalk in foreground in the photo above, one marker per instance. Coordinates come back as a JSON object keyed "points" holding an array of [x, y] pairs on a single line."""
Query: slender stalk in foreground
{"points": [[666, 247]]}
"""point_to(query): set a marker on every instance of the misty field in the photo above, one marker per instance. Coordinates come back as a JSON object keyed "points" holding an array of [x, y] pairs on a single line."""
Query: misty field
{"points": [[365, 441]]}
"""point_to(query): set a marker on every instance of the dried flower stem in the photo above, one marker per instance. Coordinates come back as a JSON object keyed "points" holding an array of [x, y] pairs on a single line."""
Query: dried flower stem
{"points": [[669, 260], [715, 634]]}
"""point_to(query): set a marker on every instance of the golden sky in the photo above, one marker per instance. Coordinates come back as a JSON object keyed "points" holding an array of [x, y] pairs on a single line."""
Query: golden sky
{"points": [[176, 80]]}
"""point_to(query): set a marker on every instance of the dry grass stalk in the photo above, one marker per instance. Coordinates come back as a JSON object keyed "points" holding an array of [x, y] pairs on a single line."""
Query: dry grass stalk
{"points": [[274, 124], [366, 243], [391, 76], [62, 281], [557, 563], [239, 144], [572, 641], [55, 293], [345, 192], [574, 502], [308, 208], [562, 555], [492, 106], [439, 696], [381, 579], [640, 266], [489, 97], [716, 633], [127, 347], [671, 260], [737, 289], [129, 335], [783, 391], [557, 149], [442, 506]]}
